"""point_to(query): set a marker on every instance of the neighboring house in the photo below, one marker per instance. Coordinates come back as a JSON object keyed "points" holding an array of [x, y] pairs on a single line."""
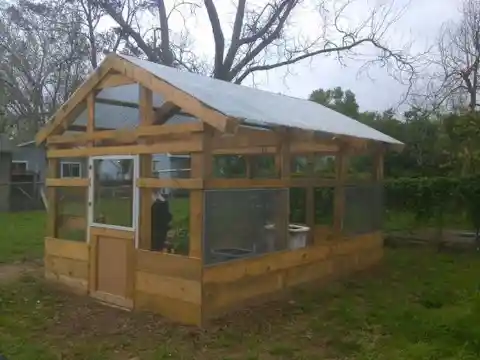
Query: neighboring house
{"points": [[5, 163], [27, 157]]}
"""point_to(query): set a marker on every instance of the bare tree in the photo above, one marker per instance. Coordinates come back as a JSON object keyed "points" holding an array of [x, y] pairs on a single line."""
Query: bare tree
{"points": [[40, 66], [456, 82], [262, 37]]}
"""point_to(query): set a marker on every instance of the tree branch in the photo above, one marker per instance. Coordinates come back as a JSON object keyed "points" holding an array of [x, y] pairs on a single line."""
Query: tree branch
{"points": [[217, 36]]}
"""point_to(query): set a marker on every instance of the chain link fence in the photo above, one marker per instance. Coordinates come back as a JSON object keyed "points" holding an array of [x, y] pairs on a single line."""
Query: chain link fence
{"points": [[21, 196]]}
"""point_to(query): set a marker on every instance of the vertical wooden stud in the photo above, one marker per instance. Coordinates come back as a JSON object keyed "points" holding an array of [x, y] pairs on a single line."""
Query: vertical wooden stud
{"points": [[378, 165], [283, 165], [53, 173], [339, 200], [200, 167], [310, 198], [146, 113]]}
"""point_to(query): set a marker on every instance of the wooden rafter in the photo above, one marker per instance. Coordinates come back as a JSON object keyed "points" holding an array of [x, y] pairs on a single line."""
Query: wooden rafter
{"points": [[65, 115], [113, 80], [72, 108]]}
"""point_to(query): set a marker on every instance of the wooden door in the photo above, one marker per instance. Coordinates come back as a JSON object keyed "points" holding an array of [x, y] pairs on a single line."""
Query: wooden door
{"points": [[113, 209], [111, 266]]}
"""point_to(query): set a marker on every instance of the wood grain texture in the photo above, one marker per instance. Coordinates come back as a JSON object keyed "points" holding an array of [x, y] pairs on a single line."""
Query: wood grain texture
{"points": [[67, 249], [67, 182], [174, 287], [114, 233], [168, 265], [75, 285], [69, 267]]}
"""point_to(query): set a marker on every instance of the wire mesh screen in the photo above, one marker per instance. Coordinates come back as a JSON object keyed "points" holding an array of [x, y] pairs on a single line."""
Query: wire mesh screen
{"points": [[363, 208], [243, 223], [22, 196]]}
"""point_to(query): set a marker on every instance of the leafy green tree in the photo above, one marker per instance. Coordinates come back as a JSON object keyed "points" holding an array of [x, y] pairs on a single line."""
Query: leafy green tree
{"points": [[337, 99]]}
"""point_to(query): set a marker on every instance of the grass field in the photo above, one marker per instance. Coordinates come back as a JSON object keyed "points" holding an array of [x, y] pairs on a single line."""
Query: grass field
{"points": [[419, 305]]}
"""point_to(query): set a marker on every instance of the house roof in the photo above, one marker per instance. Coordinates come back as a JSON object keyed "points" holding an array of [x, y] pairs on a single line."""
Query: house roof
{"points": [[247, 105]]}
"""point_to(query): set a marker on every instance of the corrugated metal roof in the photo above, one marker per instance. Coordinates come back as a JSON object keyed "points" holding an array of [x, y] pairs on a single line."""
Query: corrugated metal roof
{"points": [[252, 105]]}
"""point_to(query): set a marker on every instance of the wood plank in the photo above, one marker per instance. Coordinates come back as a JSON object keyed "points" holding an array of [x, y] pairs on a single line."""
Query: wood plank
{"points": [[129, 135], [174, 309], [114, 80], [64, 115], [92, 264], [174, 287], [192, 145], [339, 196], [52, 209], [168, 265], [222, 297], [255, 150], [113, 300], [170, 183], [308, 273], [180, 98], [67, 182], [114, 233], [265, 183], [145, 220], [131, 266], [165, 112], [67, 249], [69, 267], [78, 286], [357, 244], [235, 270]]}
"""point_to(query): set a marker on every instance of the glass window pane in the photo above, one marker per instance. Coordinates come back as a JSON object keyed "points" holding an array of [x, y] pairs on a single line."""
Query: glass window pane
{"points": [[113, 192]]}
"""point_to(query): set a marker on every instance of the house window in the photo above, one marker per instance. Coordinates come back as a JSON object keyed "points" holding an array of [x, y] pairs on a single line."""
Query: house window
{"points": [[19, 166], [71, 170]]}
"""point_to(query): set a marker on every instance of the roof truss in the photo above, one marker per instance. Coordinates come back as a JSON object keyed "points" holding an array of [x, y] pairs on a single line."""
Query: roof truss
{"points": [[116, 71]]}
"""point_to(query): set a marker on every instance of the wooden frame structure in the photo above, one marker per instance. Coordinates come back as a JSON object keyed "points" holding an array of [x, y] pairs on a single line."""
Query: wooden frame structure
{"points": [[181, 287]]}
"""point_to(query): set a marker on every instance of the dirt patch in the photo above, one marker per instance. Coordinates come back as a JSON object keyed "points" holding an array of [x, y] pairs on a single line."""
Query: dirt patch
{"points": [[13, 272]]}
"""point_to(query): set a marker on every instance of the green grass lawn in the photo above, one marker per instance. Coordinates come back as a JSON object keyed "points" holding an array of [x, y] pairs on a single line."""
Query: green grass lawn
{"points": [[418, 305], [21, 235]]}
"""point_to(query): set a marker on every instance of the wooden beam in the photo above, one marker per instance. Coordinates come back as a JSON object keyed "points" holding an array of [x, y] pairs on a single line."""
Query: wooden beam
{"points": [[282, 165], [114, 80], [265, 183], [339, 199], [67, 182], [63, 116], [310, 198], [177, 96], [378, 165], [146, 106], [174, 147], [170, 183], [53, 172], [200, 168], [128, 135], [165, 112], [80, 128]]}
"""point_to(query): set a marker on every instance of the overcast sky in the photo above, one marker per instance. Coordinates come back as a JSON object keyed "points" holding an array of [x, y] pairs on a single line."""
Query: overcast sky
{"points": [[420, 23]]}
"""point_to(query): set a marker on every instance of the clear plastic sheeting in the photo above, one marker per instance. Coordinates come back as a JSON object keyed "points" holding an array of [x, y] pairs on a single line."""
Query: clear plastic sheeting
{"points": [[363, 208], [244, 223]]}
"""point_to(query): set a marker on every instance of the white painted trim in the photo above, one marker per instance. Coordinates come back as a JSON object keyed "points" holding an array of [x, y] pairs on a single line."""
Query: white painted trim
{"points": [[21, 162], [71, 163], [135, 195]]}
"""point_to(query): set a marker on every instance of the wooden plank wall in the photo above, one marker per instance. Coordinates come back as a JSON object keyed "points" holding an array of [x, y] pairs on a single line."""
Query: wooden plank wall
{"points": [[240, 283], [169, 285], [67, 263]]}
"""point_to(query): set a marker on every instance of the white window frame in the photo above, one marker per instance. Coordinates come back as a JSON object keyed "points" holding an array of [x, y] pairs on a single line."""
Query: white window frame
{"points": [[71, 163], [135, 199], [21, 162]]}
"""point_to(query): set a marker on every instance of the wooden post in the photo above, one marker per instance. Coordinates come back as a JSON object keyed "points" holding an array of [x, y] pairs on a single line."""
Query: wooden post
{"points": [[378, 165], [146, 113], [53, 172], [200, 168], [283, 164], [310, 198], [339, 201]]}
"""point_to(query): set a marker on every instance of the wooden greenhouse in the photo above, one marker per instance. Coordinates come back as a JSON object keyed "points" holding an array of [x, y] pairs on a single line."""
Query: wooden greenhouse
{"points": [[235, 172]]}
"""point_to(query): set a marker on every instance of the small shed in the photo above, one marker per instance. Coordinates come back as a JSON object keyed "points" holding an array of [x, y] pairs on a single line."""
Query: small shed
{"points": [[278, 192]]}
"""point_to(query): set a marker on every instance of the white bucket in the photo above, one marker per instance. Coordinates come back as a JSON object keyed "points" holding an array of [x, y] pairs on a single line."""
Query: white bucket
{"points": [[297, 236]]}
